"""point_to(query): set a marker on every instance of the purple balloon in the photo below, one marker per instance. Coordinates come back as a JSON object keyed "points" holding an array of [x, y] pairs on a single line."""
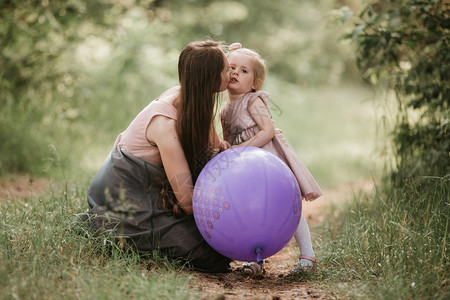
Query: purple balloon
{"points": [[247, 203]]}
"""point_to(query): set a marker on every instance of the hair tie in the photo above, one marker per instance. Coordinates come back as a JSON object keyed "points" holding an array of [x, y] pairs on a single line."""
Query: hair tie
{"points": [[235, 46]]}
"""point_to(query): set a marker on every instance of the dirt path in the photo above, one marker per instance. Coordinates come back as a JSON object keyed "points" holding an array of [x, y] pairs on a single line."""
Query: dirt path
{"points": [[22, 187], [277, 283]]}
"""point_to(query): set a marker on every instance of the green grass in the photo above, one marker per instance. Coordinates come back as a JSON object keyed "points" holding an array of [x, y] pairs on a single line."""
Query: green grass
{"points": [[42, 257], [391, 244]]}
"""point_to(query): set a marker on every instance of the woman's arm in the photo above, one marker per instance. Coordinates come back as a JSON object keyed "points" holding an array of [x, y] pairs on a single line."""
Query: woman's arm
{"points": [[260, 114], [162, 131], [214, 137]]}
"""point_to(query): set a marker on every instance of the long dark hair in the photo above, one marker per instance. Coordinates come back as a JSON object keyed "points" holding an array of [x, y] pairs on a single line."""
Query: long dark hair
{"points": [[199, 70]]}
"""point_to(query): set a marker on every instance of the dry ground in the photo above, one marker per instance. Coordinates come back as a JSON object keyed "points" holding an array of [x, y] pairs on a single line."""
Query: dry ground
{"points": [[276, 283]]}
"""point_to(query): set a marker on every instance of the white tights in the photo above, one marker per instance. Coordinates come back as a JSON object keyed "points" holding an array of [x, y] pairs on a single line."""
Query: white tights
{"points": [[303, 239]]}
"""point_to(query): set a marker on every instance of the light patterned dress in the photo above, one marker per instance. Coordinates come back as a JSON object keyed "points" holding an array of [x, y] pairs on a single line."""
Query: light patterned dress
{"points": [[238, 126]]}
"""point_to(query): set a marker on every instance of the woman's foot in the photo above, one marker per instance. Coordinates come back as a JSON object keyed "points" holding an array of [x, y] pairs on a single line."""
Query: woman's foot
{"points": [[306, 264], [253, 269]]}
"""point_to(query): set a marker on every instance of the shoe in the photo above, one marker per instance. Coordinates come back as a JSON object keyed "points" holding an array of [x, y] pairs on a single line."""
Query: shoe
{"points": [[253, 269], [299, 267]]}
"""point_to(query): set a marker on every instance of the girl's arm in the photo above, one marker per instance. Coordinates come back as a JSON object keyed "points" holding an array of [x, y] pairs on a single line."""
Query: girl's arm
{"points": [[260, 114], [162, 131]]}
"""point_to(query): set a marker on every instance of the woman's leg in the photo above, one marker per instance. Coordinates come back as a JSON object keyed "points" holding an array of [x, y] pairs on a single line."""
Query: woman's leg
{"points": [[206, 259]]}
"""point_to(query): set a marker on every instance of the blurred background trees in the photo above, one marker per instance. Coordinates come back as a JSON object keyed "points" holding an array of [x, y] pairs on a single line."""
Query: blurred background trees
{"points": [[73, 68], [405, 45], [75, 72]]}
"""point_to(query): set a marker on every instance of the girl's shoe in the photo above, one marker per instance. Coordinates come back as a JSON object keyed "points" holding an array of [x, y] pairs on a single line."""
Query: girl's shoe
{"points": [[299, 267], [253, 269]]}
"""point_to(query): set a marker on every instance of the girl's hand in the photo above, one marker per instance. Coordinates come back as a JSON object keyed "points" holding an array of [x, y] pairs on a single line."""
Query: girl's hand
{"points": [[224, 145], [235, 46]]}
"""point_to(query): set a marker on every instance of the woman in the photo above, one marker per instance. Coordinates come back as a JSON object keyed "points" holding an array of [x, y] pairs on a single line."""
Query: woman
{"points": [[143, 192]]}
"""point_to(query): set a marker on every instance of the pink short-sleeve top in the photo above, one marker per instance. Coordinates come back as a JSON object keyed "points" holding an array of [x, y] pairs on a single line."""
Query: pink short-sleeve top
{"points": [[134, 138]]}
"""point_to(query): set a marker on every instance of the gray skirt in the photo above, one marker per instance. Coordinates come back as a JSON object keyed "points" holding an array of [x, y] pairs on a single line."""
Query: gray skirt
{"points": [[124, 199]]}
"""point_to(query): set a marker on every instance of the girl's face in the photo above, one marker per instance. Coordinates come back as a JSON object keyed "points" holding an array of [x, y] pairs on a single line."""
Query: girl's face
{"points": [[242, 75], [225, 75]]}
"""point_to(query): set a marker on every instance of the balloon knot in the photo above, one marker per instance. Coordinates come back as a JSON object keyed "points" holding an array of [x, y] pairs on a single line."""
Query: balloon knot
{"points": [[259, 260]]}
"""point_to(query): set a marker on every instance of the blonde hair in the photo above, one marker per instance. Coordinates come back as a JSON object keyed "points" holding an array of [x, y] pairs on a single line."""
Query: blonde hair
{"points": [[259, 65]]}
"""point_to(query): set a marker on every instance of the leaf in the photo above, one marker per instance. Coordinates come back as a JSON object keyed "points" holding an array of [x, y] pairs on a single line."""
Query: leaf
{"points": [[358, 29], [346, 13]]}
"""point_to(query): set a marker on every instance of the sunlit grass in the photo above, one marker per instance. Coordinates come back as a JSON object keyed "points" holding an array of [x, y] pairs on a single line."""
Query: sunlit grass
{"points": [[43, 257]]}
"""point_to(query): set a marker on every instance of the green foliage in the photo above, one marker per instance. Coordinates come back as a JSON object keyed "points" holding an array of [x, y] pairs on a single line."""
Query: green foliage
{"points": [[406, 43], [297, 38], [20, 156], [35, 89], [44, 97], [75, 72]]}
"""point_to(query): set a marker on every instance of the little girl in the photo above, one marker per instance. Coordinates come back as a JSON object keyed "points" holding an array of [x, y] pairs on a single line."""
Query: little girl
{"points": [[246, 121]]}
